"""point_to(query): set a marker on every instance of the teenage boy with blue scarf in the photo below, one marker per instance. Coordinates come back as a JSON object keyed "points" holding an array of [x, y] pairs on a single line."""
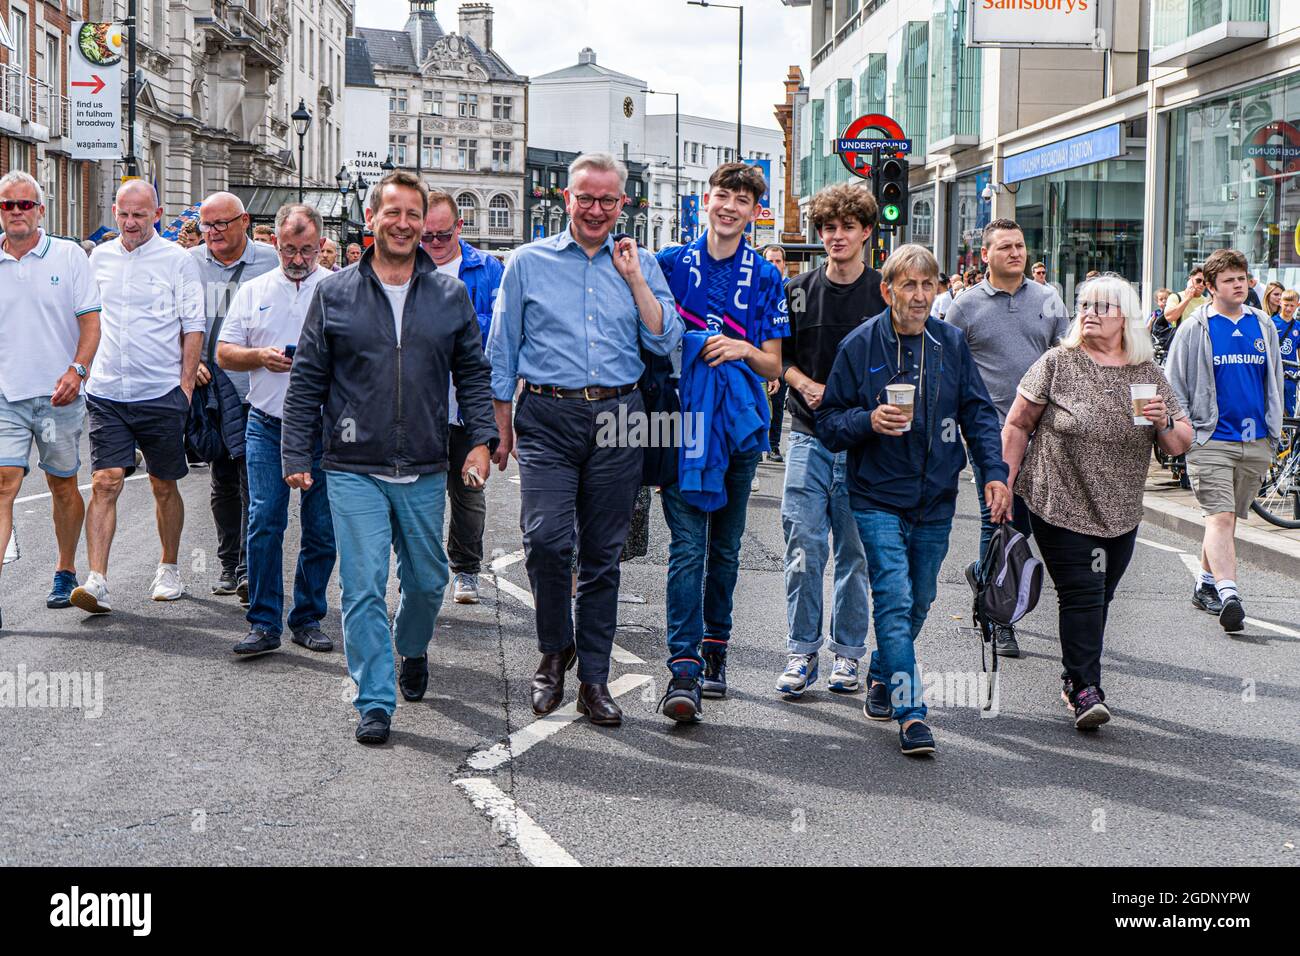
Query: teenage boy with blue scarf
{"points": [[732, 302]]}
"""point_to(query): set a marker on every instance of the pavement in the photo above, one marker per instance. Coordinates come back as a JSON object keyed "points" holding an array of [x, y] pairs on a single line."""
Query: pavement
{"points": [[195, 757]]}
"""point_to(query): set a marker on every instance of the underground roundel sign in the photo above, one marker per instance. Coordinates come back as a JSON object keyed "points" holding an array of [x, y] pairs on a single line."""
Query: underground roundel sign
{"points": [[873, 131]]}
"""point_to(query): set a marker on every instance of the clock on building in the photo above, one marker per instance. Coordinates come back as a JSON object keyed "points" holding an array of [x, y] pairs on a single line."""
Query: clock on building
{"points": [[628, 107]]}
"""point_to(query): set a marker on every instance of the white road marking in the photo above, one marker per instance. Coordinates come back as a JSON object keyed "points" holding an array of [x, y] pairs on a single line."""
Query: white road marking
{"points": [[624, 656], [514, 590], [86, 487], [1160, 547], [619, 654], [526, 738], [534, 843], [505, 561], [1194, 565]]}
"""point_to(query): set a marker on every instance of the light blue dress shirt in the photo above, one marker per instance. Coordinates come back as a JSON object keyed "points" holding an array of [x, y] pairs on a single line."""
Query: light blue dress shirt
{"points": [[566, 320]]}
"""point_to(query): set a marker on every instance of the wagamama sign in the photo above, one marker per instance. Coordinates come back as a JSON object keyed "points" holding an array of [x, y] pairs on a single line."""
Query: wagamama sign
{"points": [[1054, 23]]}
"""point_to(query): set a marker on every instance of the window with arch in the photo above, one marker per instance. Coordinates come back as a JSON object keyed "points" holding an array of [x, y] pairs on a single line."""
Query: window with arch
{"points": [[468, 205], [922, 221], [500, 215], [557, 222]]}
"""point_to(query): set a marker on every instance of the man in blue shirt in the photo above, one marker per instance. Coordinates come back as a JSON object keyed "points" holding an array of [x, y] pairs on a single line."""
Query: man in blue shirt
{"points": [[482, 277], [724, 291], [571, 318], [903, 469], [1225, 368]]}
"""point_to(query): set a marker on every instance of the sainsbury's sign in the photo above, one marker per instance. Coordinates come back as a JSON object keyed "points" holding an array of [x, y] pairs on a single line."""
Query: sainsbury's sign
{"points": [[1051, 23]]}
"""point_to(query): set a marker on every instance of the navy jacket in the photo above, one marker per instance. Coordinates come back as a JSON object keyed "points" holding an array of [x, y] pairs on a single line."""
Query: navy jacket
{"points": [[915, 475]]}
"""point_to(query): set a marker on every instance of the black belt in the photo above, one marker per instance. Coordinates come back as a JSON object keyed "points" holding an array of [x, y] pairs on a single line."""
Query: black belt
{"points": [[254, 410], [592, 393]]}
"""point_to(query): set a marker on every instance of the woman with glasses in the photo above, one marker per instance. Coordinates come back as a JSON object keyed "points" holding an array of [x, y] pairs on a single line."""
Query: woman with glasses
{"points": [[1084, 473]]}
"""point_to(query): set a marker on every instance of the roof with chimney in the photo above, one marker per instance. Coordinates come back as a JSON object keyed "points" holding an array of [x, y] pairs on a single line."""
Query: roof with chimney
{"points": [[404, 50], [587, 68]]}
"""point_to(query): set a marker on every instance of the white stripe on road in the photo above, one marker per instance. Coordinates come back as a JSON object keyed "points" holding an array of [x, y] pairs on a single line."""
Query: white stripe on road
{"points": [[1158, 546], [87, 487], [505, 561], [619, 654], [534, 843], [1194, 565], [528, 737], [514, 590]]}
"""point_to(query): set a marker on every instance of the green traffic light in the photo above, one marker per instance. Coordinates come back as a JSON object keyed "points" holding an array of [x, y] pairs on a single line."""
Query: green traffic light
{"points": [[891, 213]]}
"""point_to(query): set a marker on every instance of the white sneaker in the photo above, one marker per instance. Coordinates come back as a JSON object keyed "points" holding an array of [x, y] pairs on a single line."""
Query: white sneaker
{"points": [[92, 597], [12, 553], [466, 589], [167, 583], [757, 486]]}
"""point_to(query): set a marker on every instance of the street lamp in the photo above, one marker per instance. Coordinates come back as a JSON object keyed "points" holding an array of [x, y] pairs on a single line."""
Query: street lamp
{"points": [[677, 162], [387, 165], [301, 123], [344, 182], [740, 63]]}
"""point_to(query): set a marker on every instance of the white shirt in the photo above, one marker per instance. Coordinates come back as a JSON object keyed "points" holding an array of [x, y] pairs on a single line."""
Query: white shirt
{"points": [[941, 305], [453, 407], [397, 300], [44, 294], [269, 311], [151, 297]]}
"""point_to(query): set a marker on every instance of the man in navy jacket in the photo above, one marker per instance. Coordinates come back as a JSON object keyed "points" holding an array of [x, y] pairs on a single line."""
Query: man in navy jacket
{"points": [[903, 471]]}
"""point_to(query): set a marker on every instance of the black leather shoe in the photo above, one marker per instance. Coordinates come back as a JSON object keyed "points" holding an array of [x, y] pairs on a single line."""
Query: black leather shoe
{"points": [[595, 703], [311, 638], [1004, 638], [257, 642], [226, 585], [373, 727], [548, 682], [241, 589], [414, 677], [878, 706]]}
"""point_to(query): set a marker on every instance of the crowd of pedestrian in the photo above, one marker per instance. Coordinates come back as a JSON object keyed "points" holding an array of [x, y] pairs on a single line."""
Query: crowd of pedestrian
{"points": [[383, 387]]}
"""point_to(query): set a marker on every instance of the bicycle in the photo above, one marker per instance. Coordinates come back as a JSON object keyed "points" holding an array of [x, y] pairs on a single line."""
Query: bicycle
{"points": [[1278, 501]]}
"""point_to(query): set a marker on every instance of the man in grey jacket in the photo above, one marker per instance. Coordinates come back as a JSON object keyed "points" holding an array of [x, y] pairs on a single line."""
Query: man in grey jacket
{"points": [[1225, 367]]}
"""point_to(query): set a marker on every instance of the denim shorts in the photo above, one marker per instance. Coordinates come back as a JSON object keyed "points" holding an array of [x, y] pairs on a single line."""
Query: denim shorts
{"points": [[156, 426], [56, 431]]}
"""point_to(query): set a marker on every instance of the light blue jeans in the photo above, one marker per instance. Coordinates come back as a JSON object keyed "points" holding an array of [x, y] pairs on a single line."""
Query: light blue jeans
{"points": [[373, 518], [903, 558], [815, 511]]}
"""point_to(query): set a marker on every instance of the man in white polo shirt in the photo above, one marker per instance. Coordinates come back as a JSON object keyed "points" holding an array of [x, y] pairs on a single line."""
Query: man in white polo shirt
{"points": [[139, 392], [259, 337], [49, 330]]}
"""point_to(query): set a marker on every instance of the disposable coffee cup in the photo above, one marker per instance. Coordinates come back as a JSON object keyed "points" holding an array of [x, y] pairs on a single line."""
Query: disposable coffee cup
{"points": [[1141, 394], [903, 397]]}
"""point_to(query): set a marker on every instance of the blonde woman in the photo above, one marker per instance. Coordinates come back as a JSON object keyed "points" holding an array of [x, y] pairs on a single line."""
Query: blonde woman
{"points": [[1083, 475], [1273, 299]]}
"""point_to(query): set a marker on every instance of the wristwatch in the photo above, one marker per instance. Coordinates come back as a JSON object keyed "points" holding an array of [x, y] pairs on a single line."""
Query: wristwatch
{"points": [[1169, 427], [79, 369]]}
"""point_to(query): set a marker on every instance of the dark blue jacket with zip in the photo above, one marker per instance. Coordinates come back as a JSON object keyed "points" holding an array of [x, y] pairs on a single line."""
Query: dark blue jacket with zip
{"points": [[914, 475]]}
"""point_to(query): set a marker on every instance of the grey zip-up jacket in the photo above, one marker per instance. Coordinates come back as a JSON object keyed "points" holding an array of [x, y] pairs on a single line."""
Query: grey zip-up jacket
{"points": [[1190, 370]]}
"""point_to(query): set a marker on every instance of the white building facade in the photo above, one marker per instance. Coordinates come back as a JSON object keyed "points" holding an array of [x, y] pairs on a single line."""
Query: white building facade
{"points": [[1177, 135]]}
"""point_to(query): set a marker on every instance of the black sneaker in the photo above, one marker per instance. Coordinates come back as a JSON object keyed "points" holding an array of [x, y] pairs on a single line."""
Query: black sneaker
{"points": [[414, 678], [373, 727], [1004, 639], [775, 457], [714, 683], [65, 582], [1089, 711], [226, 585], [916, 739], [257, 642], [682, 701], [878, 706], [1206, 598], [1233, 616], [1067, 692]]}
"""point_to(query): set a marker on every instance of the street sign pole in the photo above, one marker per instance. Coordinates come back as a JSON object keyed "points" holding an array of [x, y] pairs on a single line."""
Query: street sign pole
{"points": [[132, 165]]}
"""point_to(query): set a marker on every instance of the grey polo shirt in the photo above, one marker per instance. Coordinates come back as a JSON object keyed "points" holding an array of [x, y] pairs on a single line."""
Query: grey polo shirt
{"points": [[218, 289], [1008, 333]]}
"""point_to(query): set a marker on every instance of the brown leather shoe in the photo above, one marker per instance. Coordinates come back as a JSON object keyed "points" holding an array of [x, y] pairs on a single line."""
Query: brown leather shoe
{"points": [[548, 682], [595, 702]]}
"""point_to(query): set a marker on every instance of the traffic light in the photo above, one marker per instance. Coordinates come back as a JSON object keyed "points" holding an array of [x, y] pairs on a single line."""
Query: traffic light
{"points": [[891, 191]]}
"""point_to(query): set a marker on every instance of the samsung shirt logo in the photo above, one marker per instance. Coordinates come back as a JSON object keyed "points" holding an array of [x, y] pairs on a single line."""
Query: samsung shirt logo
{"points": [[1239, 360]]}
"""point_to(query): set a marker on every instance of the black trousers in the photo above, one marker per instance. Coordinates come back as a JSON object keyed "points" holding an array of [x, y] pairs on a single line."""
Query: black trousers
{"points": [[230, 514], [1086, 570], [778, 417], [571, 483], [468, 507]]}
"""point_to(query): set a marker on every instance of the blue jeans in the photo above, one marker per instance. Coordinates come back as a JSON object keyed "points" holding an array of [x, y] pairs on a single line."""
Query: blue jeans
{"points": [[903, 560], [814, 509], [268, 517], [703, 561], [1019, 514], [373, 518]]}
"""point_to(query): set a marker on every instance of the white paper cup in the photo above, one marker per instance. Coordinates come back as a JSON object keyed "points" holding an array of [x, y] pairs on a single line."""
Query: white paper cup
{"points": [[904, 398], [1141, 394]]}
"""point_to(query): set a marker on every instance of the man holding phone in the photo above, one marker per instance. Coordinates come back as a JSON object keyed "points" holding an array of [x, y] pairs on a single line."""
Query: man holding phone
{"points": [[260, 336]]}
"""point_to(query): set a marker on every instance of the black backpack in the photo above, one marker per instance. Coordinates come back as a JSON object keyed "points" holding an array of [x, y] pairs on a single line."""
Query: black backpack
{"points": [[1007, 586]]}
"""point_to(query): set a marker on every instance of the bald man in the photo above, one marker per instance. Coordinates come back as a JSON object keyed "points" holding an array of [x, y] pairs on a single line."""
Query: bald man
{"points": [[329, 255], [226, 260], [138, 393], [353, 253]]}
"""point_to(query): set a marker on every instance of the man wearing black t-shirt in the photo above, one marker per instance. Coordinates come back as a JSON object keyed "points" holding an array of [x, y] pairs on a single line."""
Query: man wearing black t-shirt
{"points": [[825, 306]]}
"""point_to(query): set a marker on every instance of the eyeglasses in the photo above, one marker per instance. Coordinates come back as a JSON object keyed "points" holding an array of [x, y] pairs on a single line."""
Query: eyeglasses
{"points": [[306, 252], [607, 203], [1102, 309], [25, 205], [438, 237], [220, 225]]}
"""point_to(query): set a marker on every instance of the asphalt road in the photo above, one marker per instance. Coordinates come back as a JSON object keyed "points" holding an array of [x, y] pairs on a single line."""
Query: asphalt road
{"points": [[200, 758]]}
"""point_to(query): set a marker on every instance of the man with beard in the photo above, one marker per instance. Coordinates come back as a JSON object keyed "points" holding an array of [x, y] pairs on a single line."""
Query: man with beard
{"points": [[380, 343], [259, 337]]}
